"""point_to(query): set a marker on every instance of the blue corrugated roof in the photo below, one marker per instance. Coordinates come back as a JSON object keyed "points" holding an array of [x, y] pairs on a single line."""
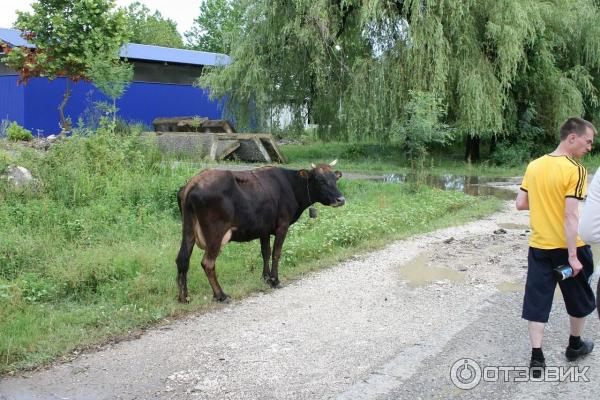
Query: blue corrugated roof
{"points": [[168, 54], [135, 51], [13, 38]]}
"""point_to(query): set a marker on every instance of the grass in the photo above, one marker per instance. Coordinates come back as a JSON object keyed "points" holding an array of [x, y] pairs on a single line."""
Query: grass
{"points": [[87, 253], [385, 158], [379, 158]]}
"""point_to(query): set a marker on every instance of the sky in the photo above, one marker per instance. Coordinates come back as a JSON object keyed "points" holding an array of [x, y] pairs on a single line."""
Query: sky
{"points": [[183, 12]]}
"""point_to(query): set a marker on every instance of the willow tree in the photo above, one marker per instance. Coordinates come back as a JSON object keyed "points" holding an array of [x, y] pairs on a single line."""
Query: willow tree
{"points": [[348, 65]]}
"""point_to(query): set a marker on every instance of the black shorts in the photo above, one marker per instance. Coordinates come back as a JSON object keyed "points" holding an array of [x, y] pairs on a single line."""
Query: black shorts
{"points": [[539, 289]]}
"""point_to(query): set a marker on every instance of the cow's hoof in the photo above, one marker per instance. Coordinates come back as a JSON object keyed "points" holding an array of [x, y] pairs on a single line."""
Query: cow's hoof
{"points": [[274, 282], [183, 299], [223, 298]]}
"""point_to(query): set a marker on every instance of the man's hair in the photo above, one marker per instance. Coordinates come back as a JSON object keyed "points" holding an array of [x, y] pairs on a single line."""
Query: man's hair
{"points": [[578, 126]]}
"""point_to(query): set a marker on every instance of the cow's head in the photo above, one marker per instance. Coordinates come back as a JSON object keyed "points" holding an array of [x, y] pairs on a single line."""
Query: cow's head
{"points": [[322, 184]]}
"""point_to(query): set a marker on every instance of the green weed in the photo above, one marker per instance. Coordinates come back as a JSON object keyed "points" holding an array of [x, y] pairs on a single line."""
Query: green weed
{"points": [[89, 254]]}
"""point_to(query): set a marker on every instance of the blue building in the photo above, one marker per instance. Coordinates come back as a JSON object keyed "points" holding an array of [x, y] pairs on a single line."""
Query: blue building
{"points": [[162, 87]]}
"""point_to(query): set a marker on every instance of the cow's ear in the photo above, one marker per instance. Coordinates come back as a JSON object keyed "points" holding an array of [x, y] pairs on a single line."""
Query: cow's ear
{"points": [[303, 173], [338, 174]]}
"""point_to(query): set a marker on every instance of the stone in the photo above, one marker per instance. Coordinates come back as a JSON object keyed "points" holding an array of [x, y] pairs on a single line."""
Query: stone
{"points": [[17, 175]]}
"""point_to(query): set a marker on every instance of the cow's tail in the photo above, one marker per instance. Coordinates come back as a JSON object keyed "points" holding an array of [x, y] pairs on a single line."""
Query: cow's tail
{"points": [[180, 200], [191, 203]]}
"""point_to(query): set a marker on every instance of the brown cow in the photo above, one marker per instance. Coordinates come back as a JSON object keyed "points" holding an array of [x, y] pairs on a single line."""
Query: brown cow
{"points": [[218, 206]]}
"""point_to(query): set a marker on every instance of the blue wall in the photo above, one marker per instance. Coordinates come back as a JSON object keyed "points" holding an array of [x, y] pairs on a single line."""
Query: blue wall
{"points": [[11, 99], [36, 105]]}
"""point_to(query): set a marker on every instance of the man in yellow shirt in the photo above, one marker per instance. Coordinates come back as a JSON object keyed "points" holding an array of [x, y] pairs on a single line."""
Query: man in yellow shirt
{"points": [[551, 190]]}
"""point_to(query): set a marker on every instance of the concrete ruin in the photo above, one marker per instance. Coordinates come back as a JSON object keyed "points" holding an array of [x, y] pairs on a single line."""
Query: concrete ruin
{"points": [[214, 139]]}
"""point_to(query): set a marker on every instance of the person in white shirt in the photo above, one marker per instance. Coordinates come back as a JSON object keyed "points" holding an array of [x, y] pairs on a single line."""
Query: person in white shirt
{"points": [[589, 220]]}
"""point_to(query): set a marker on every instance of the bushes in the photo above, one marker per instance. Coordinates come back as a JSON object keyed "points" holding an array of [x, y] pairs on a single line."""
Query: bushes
{"points": [[15, 132], [94, 190]]}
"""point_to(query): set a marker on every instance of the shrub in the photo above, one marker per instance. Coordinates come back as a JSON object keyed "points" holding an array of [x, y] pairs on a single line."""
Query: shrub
{"points": [[511, 155], [15, 132], [421, 129], [5, 160]]}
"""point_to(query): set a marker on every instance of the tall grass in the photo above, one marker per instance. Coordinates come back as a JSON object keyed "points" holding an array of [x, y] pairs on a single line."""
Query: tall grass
{"points": [[378, 158], [87, 252]]}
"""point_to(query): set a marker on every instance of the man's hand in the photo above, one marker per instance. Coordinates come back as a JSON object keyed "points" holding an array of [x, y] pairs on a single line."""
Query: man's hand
{"points": [[575, 264]]}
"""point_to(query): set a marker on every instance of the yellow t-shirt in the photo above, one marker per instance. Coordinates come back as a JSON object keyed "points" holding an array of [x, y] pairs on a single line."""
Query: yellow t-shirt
{"points": [[548, 181]]}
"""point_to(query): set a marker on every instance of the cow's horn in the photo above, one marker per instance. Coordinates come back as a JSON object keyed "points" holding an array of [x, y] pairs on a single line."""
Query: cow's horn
{"points": [[333, 162], [313, 166]]}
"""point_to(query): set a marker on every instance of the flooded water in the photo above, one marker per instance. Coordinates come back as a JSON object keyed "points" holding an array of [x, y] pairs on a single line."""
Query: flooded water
{"points": [[502, 188], [418, 273]]}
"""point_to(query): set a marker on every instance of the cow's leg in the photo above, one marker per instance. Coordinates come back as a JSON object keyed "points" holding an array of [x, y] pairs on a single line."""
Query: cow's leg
{"points": [[183, 259], [209, 264], [265, 249], [218, 236], [280, 234]]}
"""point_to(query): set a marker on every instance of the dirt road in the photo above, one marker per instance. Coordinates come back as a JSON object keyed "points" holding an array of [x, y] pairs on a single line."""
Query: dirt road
{"points": [[385, 325]]}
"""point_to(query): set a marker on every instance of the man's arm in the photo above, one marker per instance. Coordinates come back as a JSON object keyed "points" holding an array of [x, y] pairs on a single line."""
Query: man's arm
{"points": [[571, 224], [522, 201]]}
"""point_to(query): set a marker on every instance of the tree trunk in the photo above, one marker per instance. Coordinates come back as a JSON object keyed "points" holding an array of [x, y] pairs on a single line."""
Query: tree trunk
{"points": [[65, 125], [472, 149], [493, 144]]}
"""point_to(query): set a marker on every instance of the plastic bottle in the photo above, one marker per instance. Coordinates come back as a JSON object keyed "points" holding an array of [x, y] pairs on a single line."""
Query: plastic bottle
{"points": [[563, 272]]}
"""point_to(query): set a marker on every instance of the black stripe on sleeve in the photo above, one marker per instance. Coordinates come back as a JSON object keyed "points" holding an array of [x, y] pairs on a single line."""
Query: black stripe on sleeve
{"points": [[582, 175], [580, 182]]}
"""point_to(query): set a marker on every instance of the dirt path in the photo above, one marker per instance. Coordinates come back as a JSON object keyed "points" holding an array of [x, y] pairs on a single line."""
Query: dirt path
{"points": [[384, 325]]}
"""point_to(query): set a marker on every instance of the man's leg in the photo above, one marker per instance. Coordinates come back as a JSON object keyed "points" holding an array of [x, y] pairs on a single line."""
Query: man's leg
{"points": [[577, 325], [580, 302], [537, 302], [536, 333], [577, 348]]}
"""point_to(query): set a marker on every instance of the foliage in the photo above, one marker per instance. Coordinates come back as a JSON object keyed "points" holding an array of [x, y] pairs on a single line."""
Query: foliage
{"points": [[106, 228], [112, 77], [519, 149], [16, 132], [67, 35], [153, 29], [420, 129], [349, 66], [217, 26], [5, 160]]}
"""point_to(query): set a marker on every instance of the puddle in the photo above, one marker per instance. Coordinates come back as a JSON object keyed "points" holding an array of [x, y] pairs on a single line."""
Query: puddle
{"points": [[509, 225], [418, 273], [510, 287], [471, 185]]}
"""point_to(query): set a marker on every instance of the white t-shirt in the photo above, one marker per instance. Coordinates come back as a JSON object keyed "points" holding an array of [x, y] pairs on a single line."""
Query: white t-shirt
{"points": [[589, 220]]}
